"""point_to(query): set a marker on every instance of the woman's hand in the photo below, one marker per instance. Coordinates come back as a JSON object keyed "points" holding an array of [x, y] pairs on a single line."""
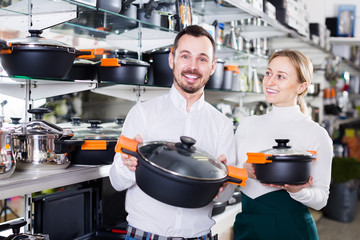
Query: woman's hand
{"points": [[249, 167], [293, 188], [130, 161]]}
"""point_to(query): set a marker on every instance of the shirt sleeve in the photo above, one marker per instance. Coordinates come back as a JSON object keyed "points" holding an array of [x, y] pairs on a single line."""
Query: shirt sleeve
{"points": [[227, 147], [316, 195], [120, 176], [240, 137]]}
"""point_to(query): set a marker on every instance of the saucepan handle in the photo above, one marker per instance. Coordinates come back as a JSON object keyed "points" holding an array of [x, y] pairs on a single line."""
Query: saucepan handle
{"points": [[127, 145], [237, 175], [85, 54], [259, 158], [4, 47]]}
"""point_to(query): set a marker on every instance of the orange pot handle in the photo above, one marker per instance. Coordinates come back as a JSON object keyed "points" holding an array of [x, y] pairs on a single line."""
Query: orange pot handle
{"points": [[237, 173], [126, 143], [259, 158], [87, 56], [312, 152], [110, 62], [94, 145]]}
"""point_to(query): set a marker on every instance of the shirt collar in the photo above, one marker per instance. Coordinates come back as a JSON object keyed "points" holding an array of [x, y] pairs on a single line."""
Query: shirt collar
{"points": [[180, 102], [287, 113]]}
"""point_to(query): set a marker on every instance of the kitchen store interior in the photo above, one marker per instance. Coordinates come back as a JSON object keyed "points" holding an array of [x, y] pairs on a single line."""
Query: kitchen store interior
{"points": [[82, 94]]}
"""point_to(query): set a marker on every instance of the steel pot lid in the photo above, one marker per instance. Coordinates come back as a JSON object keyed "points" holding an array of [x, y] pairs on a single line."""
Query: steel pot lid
{"points": [[183, 159], [35, 40], [95, 131]]}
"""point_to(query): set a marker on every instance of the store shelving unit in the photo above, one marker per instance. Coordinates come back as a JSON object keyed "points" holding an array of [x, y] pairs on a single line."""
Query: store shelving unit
{"points": [[84, 26]]}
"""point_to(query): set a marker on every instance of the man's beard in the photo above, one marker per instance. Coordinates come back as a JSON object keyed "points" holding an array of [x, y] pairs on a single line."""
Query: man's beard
{"points": [[187, 87]]}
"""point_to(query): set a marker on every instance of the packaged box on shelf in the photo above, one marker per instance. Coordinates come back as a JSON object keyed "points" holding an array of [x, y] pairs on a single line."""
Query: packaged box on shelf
{"points": [[318, 30], [342, 50], [327, 40], [270, 10], [292, 6], [258, 4], [292, 22], [331, 24]]}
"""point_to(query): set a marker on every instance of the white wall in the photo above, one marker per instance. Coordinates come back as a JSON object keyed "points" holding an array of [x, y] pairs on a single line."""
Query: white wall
{"points": [[321, 9]]}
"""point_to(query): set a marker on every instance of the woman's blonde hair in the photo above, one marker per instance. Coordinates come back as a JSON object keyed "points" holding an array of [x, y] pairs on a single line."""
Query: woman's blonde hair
{"points": [[304, 69]]}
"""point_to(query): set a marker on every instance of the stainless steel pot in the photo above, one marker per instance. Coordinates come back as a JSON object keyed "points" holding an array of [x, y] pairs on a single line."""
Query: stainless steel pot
{"points": [[40, 145], [7, 162]]}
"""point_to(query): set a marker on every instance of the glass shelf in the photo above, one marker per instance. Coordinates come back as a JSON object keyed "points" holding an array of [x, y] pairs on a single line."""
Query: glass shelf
{"points": [[42, 88]]}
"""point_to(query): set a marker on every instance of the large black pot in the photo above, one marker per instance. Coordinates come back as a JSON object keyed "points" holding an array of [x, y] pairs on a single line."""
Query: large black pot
{"points": [[178, 173], [282, 164], [38, 57], [129, 71]]}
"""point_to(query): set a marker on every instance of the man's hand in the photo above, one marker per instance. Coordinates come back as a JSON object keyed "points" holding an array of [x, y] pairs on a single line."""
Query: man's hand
{"points": [[130, 161]]}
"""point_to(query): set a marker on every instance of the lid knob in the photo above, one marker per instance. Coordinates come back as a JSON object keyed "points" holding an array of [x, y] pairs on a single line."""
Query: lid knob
{"points": [[187, 142], [15, 120], [39, 112], [76, 121], [35, 32], [281, 143], [94, 123]]}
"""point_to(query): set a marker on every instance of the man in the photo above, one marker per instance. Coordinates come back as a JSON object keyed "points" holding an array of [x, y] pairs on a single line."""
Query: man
{"points": [[182, 111]]}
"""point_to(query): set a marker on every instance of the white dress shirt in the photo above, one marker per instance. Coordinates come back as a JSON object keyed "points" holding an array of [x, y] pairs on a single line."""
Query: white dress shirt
{"points": [[165, 118], [257, 133]]}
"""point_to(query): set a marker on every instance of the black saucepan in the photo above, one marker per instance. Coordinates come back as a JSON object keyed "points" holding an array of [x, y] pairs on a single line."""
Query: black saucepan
{"points": [[179, 174], [37, 57], [282, 164], [126, 70]]}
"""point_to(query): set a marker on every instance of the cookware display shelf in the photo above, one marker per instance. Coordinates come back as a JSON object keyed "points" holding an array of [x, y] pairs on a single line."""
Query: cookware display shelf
{"points": [[42, 88], [21, 183], [146, 92]]}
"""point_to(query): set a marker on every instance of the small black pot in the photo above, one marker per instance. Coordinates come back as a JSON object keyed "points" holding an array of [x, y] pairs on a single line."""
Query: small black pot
{"points": [[177, 173], [110, 5], [216, 80], [98, 145], [282, 165], [149, 15], [129, 71], [37, 57], [219, 207], [163, 74], [82, 70]]}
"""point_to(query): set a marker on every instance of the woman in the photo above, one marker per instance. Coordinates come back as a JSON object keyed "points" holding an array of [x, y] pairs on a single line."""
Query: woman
{"points": [[274, 211]]}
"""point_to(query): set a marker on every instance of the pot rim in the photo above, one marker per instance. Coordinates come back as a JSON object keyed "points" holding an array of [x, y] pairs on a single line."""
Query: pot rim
{"points": [[224, 168]]}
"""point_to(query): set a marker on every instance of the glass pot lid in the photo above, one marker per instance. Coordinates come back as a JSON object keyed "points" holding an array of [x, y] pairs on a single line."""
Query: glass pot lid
{"points": [[183, 159], [282, 151], [36, 40], [95, 131]]}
